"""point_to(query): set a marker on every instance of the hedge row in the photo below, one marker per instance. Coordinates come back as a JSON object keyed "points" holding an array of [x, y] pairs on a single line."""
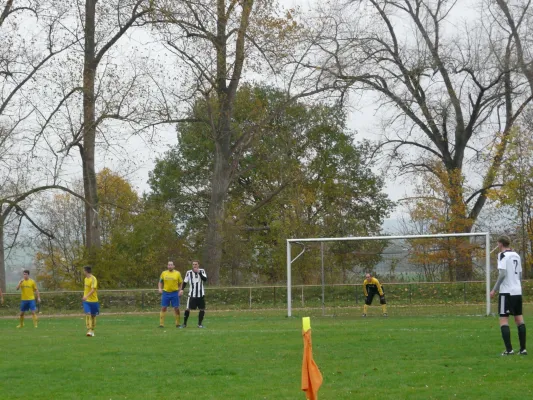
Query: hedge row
{"points": [[269, 297]]}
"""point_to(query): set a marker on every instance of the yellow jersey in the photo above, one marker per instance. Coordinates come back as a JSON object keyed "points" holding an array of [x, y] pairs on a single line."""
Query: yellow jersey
{"points": [[372, 287], [89, 284], [27, 289], [171, 280]]}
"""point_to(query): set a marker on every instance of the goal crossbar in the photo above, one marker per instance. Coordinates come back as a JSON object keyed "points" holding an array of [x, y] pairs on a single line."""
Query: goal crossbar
{"points": [[301, 241]]}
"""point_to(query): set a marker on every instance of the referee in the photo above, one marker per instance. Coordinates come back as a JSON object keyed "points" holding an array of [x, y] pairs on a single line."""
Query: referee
{"points": [[195, 278]]}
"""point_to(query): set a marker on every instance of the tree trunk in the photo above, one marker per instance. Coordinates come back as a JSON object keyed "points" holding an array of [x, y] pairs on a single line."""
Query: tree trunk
{"points": [[220, 182], [2, 254], [92, 223]]}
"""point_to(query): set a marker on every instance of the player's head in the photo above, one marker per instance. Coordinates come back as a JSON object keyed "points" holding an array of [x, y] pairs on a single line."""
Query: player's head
{"points": [[87, 270], [26, 274], [195, 265], [368, 276], [170, 265], [504, 242]]}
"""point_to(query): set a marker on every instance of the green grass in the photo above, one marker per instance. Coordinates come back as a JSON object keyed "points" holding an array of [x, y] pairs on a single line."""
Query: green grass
{"points": [[257, 355]]}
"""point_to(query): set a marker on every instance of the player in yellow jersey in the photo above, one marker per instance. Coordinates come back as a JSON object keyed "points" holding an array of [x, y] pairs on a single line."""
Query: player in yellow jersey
{"points": [[170, 286], [28, 290], [371, 287], [91, 307]]}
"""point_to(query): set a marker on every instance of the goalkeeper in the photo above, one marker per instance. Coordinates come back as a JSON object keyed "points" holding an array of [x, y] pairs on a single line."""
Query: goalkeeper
{"points": [[371, 287]]}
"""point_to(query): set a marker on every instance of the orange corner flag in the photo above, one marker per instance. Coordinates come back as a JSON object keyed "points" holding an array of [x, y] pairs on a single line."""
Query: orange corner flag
{"points": [[311, 376]]}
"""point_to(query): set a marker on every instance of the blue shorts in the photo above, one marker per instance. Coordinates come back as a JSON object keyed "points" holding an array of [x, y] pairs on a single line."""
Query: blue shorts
{"points": [[170, 299], [27, 305], [91, 307]]}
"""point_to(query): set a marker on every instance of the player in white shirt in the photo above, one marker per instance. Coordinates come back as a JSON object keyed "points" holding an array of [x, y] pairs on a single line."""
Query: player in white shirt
{"points": [[510, 298], [195, 278]]}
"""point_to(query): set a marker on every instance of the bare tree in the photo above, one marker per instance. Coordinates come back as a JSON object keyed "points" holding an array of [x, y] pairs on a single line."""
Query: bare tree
{"points": [[517, 20], [449, 92], [31, 33]]}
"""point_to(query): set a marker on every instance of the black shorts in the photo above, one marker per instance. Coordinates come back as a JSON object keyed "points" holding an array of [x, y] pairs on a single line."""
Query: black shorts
{"points": [[370, 297], [509, 305], [194, 303]]}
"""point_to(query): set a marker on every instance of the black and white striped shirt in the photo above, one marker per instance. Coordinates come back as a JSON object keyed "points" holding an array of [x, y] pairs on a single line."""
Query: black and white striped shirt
{"points": [[195, 280]]}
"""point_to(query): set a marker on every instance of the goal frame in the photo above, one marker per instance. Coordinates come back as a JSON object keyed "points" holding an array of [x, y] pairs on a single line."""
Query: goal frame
{"points": [[290, 260]]}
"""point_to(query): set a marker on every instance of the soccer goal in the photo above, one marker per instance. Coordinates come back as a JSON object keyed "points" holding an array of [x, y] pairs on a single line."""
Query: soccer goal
{"points": [[444, 273]]}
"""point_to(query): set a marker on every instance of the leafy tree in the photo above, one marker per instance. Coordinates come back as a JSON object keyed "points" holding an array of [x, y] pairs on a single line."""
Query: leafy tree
{"points": [[303, 176], [137, 238]]}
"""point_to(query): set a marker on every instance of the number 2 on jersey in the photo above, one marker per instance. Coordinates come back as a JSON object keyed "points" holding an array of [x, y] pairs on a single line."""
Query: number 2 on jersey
{"points": [[515, 262]]}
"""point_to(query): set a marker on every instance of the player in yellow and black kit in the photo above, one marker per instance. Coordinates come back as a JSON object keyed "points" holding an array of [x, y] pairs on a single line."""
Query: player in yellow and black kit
{"points": [[371, 287]]}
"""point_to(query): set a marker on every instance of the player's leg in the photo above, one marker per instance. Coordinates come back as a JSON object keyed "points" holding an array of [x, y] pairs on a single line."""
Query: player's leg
{"points": [[368, 301], [165, 302], [383, 303], [519, 320], [187, 313], [33, 308], [201, 314], [87, 311], [95, 310], [21, 320], [503, 307], [24, 306], [175, 302], [34, 318], [177, 316]]}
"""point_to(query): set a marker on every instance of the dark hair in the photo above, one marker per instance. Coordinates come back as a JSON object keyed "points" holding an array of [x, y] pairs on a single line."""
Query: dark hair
{"points": [[87, 268], [504, 240], [26, 271], [196, 261]]}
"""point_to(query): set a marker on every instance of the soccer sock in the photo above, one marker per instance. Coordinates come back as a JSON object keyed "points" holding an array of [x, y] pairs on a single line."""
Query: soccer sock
{"points": [[93, 322], [21, 318], [186, 317], [522, 336], [384, 308], [88, 321], [34, 317], [162, 318], [365, 309], [177, 318], [506, 335], [201, 317]]}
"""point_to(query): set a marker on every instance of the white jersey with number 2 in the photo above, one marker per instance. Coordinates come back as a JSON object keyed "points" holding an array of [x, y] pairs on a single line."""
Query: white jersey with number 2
{"points": [[510, 261]]}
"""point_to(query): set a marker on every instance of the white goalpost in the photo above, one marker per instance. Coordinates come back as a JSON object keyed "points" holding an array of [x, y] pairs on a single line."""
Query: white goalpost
{"points": [[302, 242]]}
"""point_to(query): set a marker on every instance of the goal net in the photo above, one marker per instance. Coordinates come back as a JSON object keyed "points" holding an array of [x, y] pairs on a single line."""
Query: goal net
{"points": [[421, 274]]}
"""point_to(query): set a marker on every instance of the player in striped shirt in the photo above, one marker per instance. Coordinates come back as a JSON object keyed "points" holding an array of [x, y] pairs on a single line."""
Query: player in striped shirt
{"points": [[196, 300], [510, 298], [28, 290]]}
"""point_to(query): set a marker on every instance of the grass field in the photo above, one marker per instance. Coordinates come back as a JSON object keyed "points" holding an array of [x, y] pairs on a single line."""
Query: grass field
{"points": [[257, 355]]}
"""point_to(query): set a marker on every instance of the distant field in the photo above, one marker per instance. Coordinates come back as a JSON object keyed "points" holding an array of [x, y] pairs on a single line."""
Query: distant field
{"points": [[257, 355]]}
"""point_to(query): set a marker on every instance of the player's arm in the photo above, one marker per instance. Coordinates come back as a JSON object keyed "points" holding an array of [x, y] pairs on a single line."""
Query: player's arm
{"points": [[365, 292], [37, 294], [93, 289], [89, 294], [186, 280], [180, 286], [203, 275], [20, 283], [160, 284], [380, 289], [502, 273]]}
